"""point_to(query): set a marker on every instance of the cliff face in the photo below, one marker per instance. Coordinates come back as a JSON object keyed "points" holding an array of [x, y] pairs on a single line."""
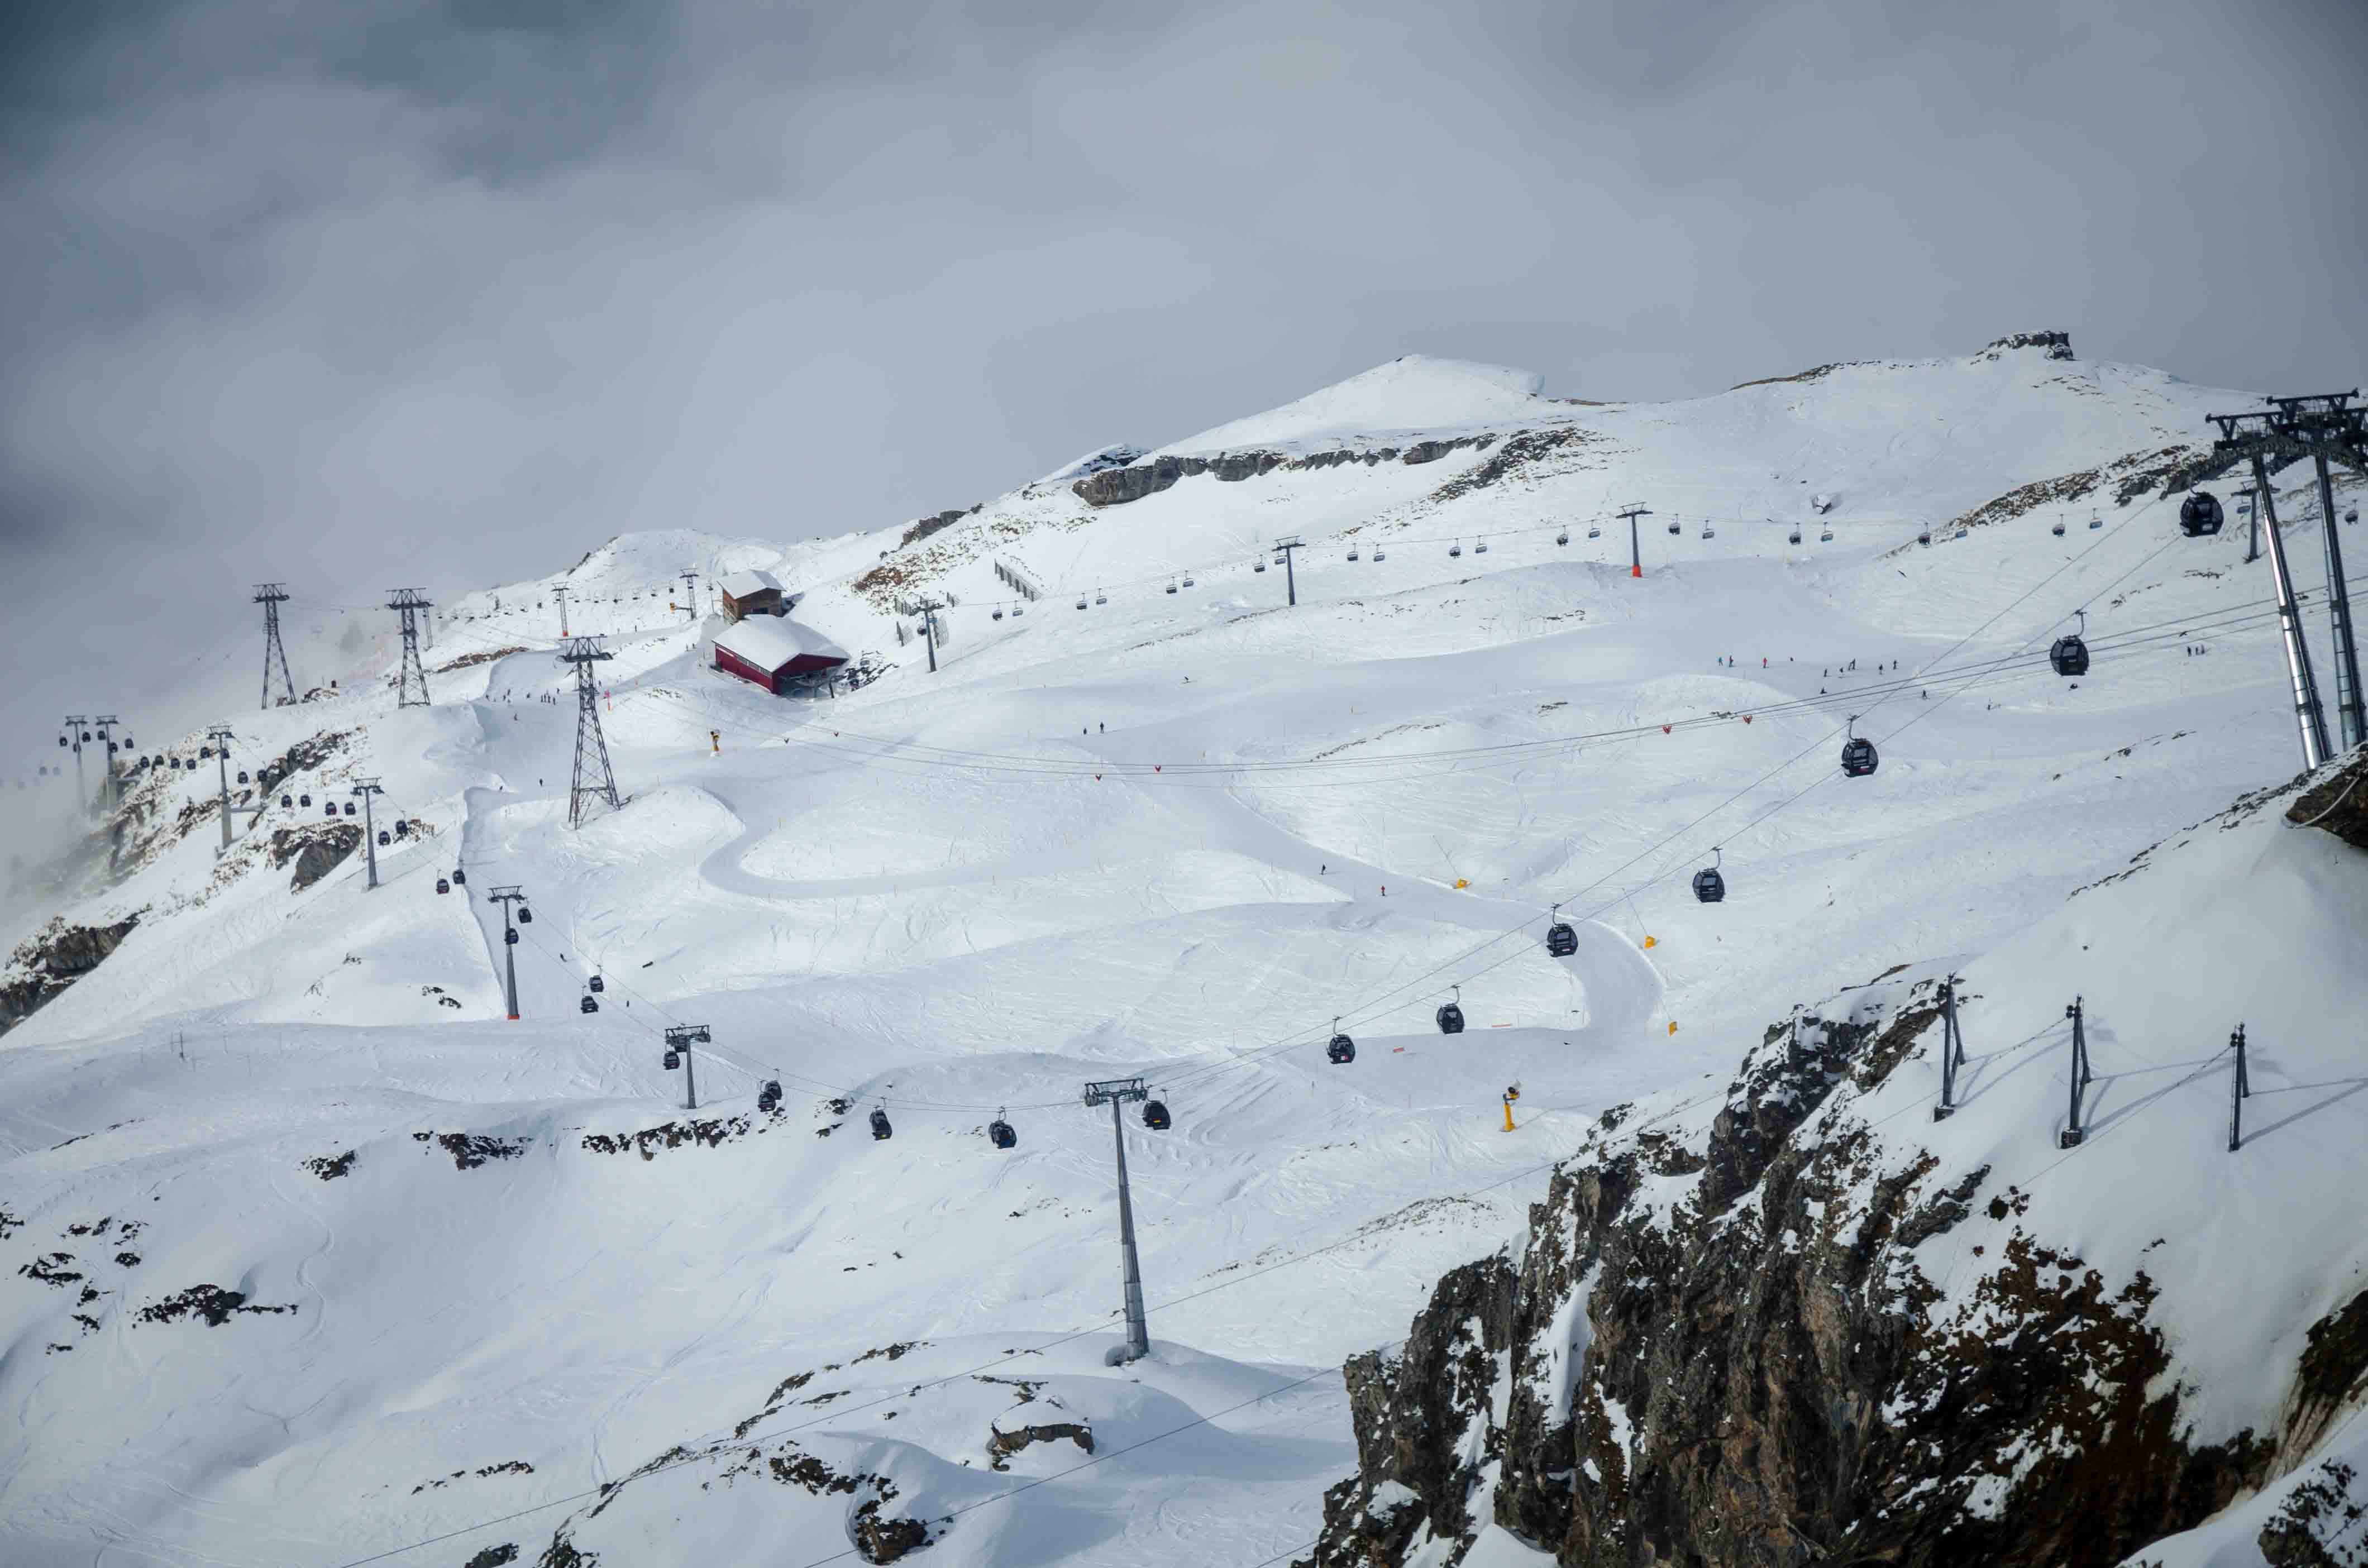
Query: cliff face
{"points": [[1805, 1320], [1720, 1355]]}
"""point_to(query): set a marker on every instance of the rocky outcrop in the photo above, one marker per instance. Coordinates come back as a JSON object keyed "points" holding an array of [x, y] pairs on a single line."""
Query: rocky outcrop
{"points": [[2058, 345], [1716, 1349], [53, 958], [2338, 804], [1117, 486], [315, 850]]}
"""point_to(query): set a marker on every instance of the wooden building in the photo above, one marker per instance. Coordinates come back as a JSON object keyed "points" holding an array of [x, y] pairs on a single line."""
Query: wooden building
{"points": [[748, 593], [775, 653]]}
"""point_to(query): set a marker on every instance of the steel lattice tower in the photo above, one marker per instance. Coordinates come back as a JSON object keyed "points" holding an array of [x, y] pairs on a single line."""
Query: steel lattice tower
{"points": [[594, 780], [408, 603], [272, 595]]}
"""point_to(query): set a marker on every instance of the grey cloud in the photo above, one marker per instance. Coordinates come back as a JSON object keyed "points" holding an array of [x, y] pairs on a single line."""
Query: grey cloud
{"points": [[447, 294]]}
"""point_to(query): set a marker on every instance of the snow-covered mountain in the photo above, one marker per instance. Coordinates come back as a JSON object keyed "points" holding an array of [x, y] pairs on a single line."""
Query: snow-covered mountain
{"points": [[314, 1254]]}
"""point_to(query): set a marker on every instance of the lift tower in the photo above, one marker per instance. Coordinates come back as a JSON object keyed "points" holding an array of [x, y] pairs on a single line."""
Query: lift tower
{"points": [[1287, 546], [272, 595], [1635, 551], [412, 606], [2327, 428], [1116, 1093], [594, 780]]}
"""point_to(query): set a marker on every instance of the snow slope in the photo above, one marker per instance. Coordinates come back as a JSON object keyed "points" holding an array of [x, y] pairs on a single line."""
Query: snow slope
{"points": [[1170, 833]]}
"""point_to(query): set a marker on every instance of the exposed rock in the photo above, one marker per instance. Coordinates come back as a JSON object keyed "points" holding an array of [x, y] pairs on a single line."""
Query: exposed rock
{"points": [[1117, 486], [53, 958], [211, 1303], [470, 1150], [1721, 1355], [494, 1556], [2319, 1524], [329, 1167], [1522, 450], [648, 1141], [2338, 804], [2057, 344], [924, 527], [316, 849]]}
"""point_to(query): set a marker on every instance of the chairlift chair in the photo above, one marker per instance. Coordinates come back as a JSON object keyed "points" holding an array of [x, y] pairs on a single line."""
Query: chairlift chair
{"points": [[881, 1130], [1924, 536], [1260, 567], [1594, 530], [1171, 587], [1794, 537], [1708, 886], [2071, 654], [1019, 609], [1380, 554], [1154, 1115], [1339, 1049], [2096, 522], [999, 1133], [1481, 548], [2200, 513], [1859, 758], [1961, 533], [1081, 601], [1708, 531], [1825, 536], [1101, 598], [1451, 1014], [1352, 553]]}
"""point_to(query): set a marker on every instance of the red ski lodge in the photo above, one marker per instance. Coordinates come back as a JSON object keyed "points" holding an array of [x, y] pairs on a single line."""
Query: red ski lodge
{"points": [[775, 653]]}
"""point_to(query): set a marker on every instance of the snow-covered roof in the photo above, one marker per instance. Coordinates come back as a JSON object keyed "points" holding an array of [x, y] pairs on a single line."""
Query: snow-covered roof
{"points": [[742, 584], [770, 642]]}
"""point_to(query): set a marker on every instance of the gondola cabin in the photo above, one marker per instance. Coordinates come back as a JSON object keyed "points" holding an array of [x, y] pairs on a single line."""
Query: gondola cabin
{"points": [[1859, 758], [460, 878], [526, 915], [2070, 656], [672, 1060], [443, 886], [384, 838], [999, 1133], [1340, 1051], [596, 984], [1154, 1115], [769, 1099], [1708, 886], [1561, 941], [881, 1130], [1450, 1018], [589, 1004], [2200, 515], [303, 800], [510, 938]]}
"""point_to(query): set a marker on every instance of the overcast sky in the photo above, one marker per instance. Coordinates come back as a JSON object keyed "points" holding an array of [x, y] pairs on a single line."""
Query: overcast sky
{"points": [[357, 296]]}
